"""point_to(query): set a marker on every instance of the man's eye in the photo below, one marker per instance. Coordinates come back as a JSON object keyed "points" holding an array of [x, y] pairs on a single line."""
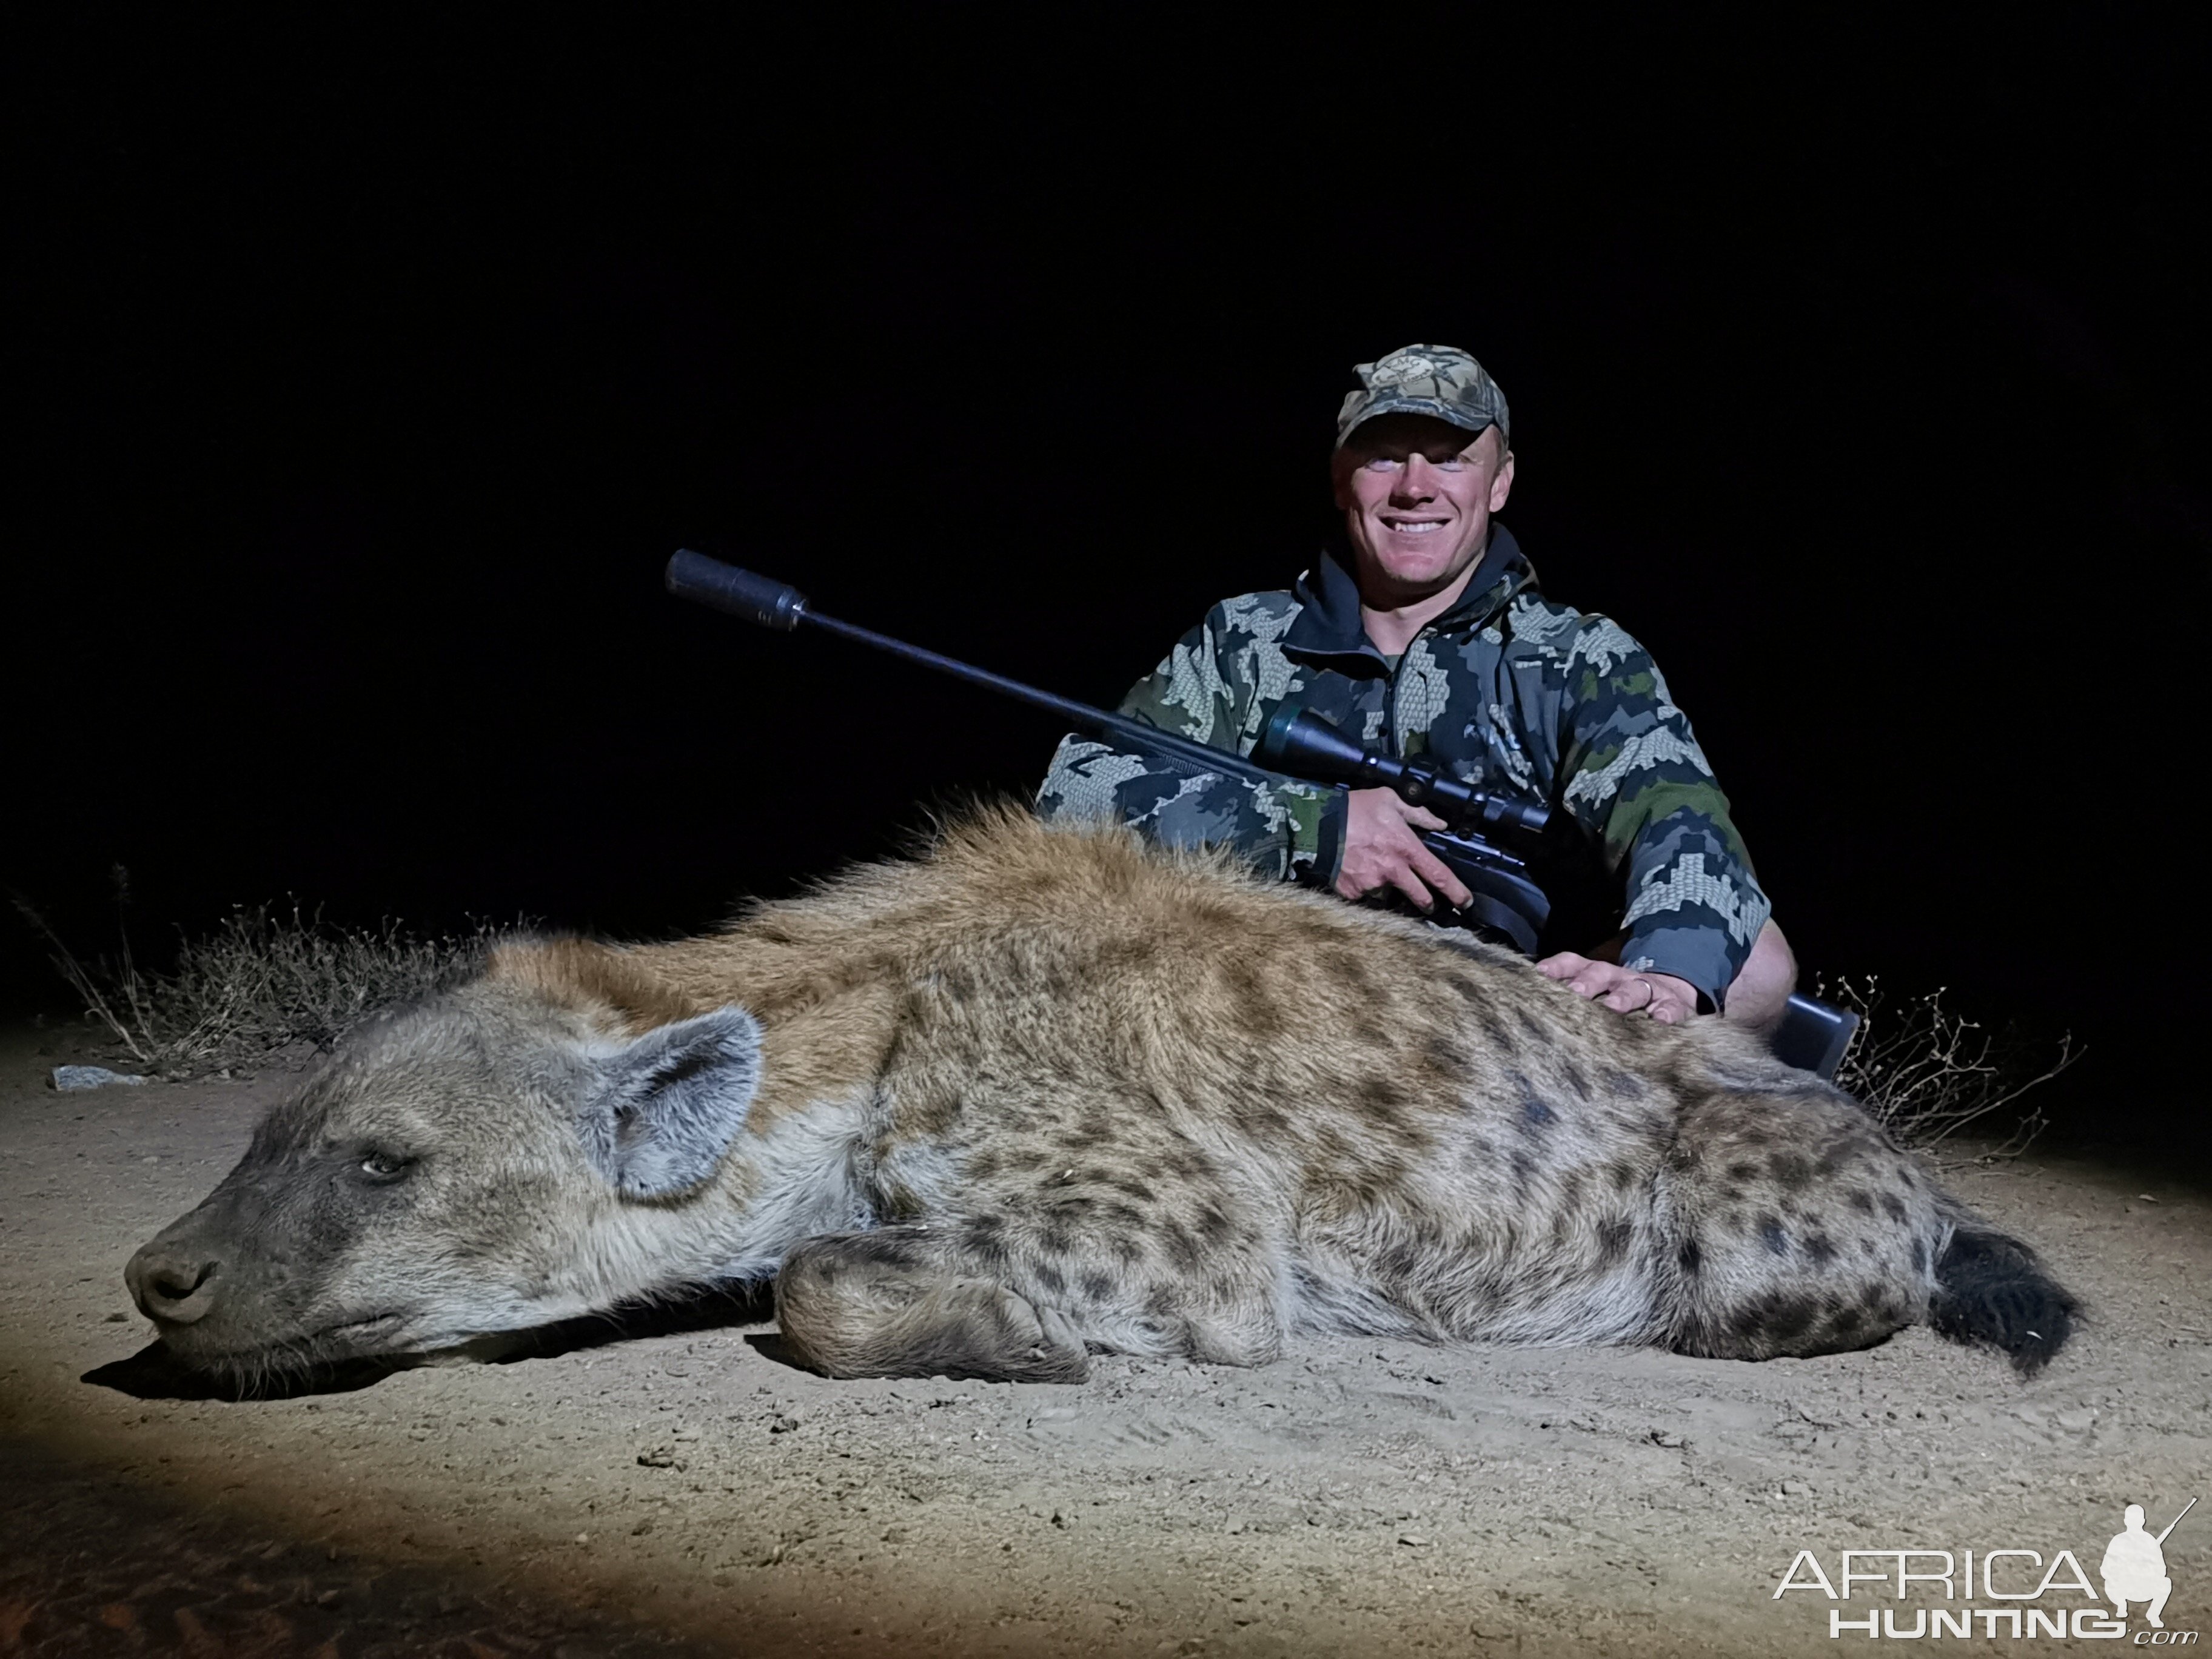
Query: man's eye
{"points": [[1384, 463], [384, 1166]]}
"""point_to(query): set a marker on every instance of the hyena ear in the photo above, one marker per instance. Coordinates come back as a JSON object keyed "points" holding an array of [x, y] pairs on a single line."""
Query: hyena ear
{"points": [[664, 1106]]}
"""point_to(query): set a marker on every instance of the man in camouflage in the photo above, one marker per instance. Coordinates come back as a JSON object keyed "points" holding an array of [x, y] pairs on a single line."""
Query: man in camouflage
{"points": [[1428, 635]]}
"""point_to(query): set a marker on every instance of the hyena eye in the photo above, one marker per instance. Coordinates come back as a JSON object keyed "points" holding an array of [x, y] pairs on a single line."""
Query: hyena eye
{"points": [[386, 1166]]}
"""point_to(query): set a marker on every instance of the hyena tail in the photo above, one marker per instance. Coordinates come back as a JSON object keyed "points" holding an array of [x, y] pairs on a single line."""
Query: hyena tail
{"points": [[1991, 1289]]}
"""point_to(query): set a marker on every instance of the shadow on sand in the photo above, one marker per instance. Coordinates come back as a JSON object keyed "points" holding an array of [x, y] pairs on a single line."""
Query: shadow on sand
{"points": [[95, 1561], [153, 1373]]}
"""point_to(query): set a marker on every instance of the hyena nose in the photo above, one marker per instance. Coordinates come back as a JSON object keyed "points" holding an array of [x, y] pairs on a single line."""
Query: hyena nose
{"points": [[174, 1289]]}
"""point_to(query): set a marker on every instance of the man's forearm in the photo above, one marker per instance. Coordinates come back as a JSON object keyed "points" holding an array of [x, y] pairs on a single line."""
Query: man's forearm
{"points": [[1695, 915]]}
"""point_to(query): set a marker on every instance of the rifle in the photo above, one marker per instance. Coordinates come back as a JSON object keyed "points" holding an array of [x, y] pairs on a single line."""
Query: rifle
{"points": [[1544, 883], [2175, 1522]]}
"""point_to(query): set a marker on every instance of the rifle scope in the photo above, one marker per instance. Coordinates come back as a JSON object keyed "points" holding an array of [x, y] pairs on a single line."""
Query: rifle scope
{"points": [[1306, 746]]}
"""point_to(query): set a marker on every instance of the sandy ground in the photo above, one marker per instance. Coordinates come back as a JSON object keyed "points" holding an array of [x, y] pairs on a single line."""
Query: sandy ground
{"points": [[674, 1487]]}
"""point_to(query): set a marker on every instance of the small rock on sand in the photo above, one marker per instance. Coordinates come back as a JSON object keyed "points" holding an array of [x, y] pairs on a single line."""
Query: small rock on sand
{"points": [[90, 1076]]}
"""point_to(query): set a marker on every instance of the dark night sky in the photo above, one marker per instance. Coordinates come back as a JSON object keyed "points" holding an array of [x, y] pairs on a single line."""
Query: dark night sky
{"points": [[364, 384]]}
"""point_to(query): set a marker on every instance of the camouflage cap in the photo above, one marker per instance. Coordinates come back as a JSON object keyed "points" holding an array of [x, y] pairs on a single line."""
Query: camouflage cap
{"points": [[1425, 380]]}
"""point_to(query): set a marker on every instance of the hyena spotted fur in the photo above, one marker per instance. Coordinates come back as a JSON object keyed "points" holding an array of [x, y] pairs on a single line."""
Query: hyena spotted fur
{"points": [[1046, 1091]]}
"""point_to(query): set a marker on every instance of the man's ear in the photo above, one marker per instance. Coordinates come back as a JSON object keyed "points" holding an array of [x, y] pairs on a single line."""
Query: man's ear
{"points": [[1501, 482], [663, 1108]]}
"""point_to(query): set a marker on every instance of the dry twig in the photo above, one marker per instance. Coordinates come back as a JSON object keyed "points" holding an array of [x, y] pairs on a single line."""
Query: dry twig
{"points": [[1927, 1072]]}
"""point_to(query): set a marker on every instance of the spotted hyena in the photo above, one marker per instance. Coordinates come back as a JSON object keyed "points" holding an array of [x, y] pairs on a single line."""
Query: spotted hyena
{"points": [[1046, 1092]]}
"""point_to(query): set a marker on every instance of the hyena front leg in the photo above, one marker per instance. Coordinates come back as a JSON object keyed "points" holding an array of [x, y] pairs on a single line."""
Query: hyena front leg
{"points": [[907, 1302]]}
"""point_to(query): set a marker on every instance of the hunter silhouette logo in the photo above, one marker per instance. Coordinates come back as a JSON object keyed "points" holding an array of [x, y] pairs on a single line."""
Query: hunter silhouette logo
{"points": [[2061, 1602], [2134, 1568]]}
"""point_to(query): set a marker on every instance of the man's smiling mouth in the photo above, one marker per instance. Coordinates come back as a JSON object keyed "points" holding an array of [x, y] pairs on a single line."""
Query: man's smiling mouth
{"points": [[1412, 526]]}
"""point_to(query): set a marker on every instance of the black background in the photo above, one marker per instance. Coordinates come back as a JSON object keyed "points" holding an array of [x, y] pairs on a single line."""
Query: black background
{"points": [[364, 384]]}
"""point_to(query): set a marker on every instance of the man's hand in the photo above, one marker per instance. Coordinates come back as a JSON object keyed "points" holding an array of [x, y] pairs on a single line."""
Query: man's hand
{"points": [[1381, 850], [1625, 990]]}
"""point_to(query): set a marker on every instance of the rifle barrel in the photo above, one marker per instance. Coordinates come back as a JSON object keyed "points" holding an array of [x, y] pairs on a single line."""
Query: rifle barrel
{"points": [[774, 604], [2175, 1522]]}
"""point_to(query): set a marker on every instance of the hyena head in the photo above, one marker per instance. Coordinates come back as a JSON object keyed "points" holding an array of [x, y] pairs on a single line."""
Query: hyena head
{"points": [[485, 1162]]}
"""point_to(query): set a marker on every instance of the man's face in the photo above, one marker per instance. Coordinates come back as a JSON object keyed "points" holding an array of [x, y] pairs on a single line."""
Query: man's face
{"points": [[1417, 495]]}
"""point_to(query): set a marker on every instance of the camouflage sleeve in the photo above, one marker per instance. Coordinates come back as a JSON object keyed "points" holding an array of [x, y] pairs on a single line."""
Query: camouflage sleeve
{"points": [[1635, 775], [1285, 828]]}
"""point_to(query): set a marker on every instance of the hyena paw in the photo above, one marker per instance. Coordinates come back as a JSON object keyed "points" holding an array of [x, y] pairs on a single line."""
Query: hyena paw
{"points": [[1009, 1337]]}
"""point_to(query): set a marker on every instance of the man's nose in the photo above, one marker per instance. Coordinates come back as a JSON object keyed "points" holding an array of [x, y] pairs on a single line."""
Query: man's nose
{"points": [[1417, 479]]}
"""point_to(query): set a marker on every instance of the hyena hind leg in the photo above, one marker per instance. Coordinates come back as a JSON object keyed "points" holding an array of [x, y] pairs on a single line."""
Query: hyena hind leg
{"points": [[1800, 1228], [895, 1301]]}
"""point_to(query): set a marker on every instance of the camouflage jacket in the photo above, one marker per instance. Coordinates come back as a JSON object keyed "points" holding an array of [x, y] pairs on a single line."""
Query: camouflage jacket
{"points": [[1515, 694]]}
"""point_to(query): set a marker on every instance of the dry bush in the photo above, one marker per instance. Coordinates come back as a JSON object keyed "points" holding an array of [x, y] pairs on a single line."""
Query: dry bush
{"points": [[265, 978], [1928, 1073]]}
